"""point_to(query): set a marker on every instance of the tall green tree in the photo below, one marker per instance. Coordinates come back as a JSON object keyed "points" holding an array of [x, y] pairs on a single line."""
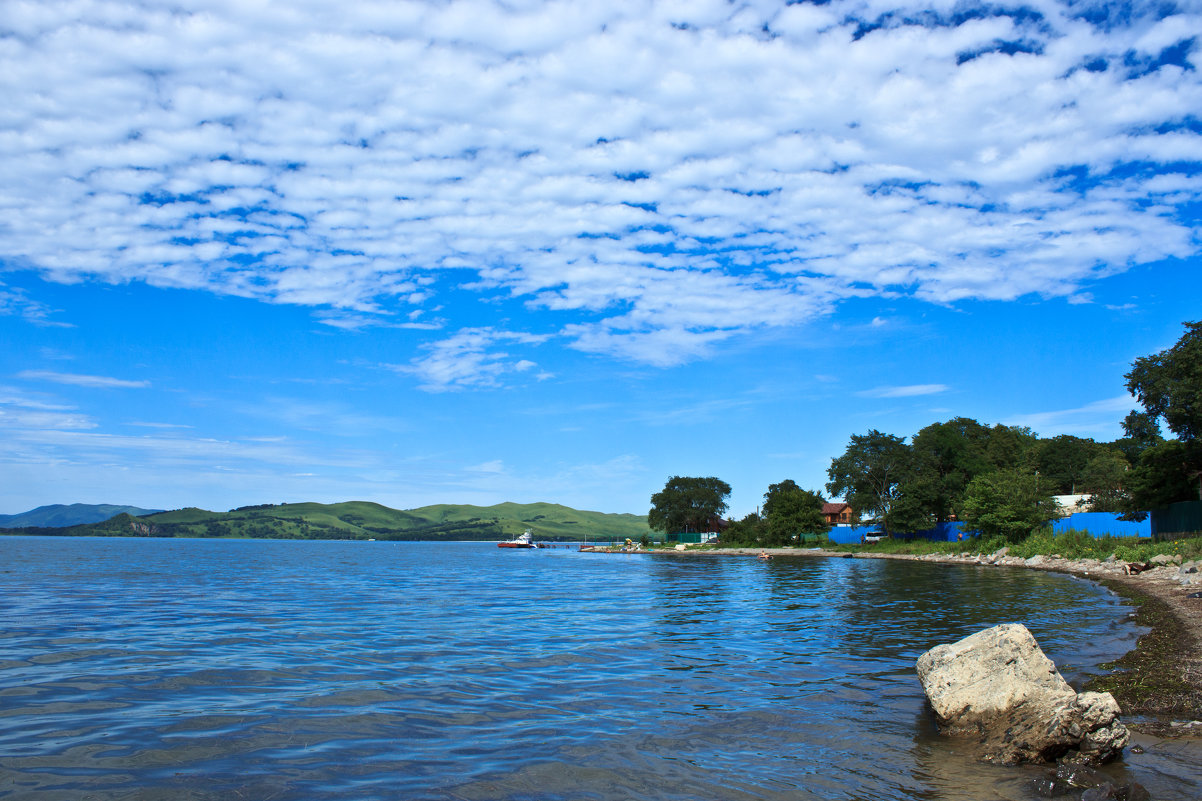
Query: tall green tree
{"points": [[1168, 385], [1164, 475], [688, 504], [1007, 503], [790, 510], [947, 456], [908, 514], [868, 474], [1010, 447], [1104, 480], [1061, 461], [1140, 432]]}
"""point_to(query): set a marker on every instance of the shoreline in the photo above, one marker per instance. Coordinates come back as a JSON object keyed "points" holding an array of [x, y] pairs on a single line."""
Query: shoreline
{"points": [[1159, 681]]}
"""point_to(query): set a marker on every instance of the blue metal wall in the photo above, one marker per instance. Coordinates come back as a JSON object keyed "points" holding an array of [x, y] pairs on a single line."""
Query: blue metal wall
{"points": [[1101, 524], [850, 535]]}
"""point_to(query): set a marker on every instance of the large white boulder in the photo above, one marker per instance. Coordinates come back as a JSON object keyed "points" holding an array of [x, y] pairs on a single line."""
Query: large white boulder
{"points": [[999, 687]]}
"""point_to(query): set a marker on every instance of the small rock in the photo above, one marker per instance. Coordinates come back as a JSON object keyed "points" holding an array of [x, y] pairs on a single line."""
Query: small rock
{"points": [[1037, 559], [1161, 559], [1111, 559], [1098, 786]]}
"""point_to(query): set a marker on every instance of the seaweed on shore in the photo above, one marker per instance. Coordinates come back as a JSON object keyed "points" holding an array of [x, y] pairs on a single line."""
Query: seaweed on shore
{"points": [[1149, 681]]}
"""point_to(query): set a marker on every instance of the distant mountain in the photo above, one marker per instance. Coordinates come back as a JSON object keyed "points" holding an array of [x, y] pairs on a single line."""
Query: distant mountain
{"points": [[58, 515], [362, 520]]}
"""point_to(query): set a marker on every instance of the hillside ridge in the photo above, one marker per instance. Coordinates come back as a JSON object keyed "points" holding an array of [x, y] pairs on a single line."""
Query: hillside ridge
{"points": [[58, 515], [367, 520]]}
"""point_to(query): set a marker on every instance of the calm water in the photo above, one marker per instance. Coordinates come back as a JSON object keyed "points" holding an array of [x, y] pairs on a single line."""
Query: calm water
{"points": [[198, 669]]}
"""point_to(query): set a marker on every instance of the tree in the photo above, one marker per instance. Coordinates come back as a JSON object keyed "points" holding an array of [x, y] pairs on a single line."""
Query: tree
{"points": [[790, 510], [1061, 461], [1008, 503], [1010, 447], [908, 514], [688, 504], [869, 472], [1141, 431], [748, 531], [1162, 477], [1168, 385], [1103, 480], [946, 457]]}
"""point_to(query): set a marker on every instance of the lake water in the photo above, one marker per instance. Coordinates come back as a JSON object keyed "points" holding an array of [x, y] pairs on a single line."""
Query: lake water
{"points": [[219, 669]]}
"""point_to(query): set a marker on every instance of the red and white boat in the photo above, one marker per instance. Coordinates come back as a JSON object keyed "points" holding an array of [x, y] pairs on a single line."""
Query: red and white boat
{"points": [[525, 540]]}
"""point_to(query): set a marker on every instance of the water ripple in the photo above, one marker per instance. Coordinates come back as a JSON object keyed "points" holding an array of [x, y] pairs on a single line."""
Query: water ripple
{"points": [[197, 669]]}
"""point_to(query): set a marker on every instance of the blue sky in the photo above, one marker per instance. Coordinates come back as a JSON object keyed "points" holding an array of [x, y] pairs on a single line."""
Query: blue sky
{"points": [[473, 252]]}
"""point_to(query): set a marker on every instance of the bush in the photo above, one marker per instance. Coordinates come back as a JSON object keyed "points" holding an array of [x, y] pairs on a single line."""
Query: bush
{"points": [[1008, 504]]}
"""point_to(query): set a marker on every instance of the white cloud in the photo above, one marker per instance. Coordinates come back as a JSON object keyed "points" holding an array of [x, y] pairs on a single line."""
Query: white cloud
{"points": [[19, 412], [909, 391], [745, 166], [1098, 419], [15, 301], [76, 379], [158, 425], [469, 358]]}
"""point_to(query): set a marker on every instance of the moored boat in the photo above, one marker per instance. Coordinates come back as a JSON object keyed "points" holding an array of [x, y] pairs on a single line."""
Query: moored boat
{"points": [[524, 540]]}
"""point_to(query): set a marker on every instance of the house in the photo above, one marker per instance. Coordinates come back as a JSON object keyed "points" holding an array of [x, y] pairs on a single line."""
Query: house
{"points": [[837, 514]]}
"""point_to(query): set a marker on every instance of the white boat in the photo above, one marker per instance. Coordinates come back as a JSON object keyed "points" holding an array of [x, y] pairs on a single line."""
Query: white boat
{"points": [[524, 540]]}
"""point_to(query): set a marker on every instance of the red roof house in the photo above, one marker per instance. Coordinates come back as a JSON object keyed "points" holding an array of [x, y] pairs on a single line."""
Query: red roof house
{"points": [[836, 513]]}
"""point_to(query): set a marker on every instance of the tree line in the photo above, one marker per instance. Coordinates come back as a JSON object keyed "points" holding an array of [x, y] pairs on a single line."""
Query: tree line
{"points": [[688, 504], [998, 480]]}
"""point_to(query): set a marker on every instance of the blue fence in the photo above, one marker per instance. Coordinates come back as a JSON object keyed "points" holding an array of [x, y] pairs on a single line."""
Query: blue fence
{"points": [[1099, 524], [849, 535], [1102, 524]]}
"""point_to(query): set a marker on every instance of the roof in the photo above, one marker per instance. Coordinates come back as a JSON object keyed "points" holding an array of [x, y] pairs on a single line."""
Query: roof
{"points": [[833, 508]]}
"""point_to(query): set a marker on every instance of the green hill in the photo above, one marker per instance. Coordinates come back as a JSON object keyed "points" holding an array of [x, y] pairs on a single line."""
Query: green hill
{"points": [[363, 520], [545, 520]]}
